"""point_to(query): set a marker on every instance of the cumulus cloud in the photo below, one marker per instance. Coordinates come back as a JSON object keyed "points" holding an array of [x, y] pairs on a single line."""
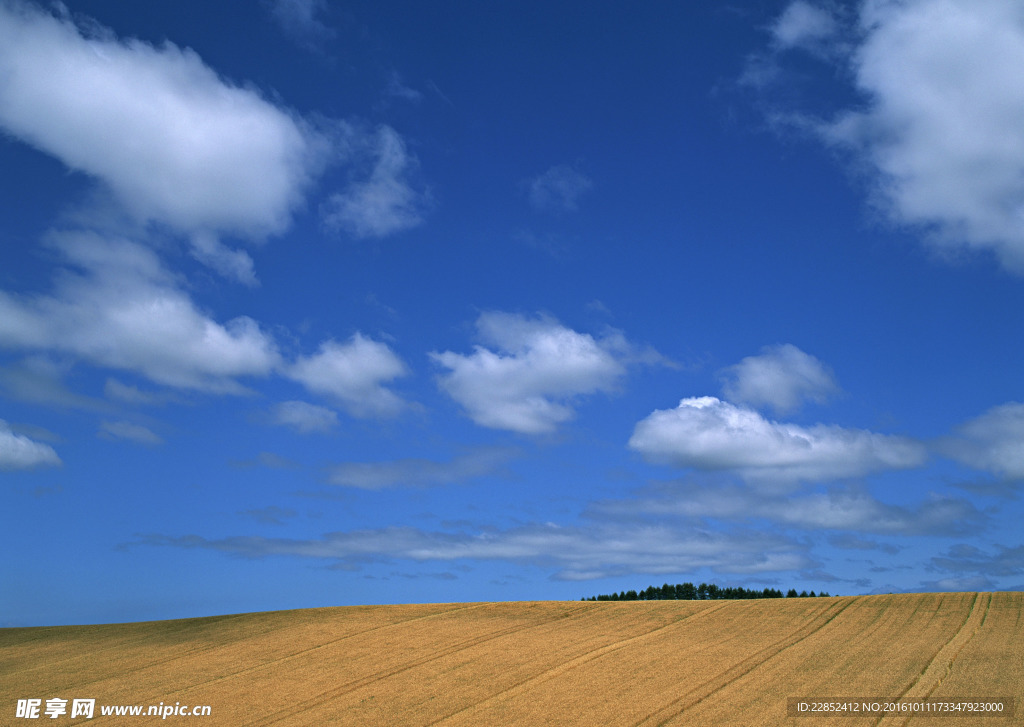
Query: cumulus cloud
{"points": [[937, 129], [115, 305], [559, 188], [782, 377], [353, 374], [706, 433], [170, 139], [576, 553], [386, 202], [18, 452], [417, 472], [993, 442], [304, 417], [527, 382], [171, 142]]}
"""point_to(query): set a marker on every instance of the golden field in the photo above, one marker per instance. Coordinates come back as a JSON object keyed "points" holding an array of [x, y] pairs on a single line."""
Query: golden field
{"points": [[536, 663]]}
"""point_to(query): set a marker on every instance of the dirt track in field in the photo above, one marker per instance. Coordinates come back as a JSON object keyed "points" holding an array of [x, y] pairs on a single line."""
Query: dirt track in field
{"points": [[536, 663]]}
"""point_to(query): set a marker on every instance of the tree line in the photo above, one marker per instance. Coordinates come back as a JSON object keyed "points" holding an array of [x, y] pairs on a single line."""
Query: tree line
{"points": [[703, 592]]}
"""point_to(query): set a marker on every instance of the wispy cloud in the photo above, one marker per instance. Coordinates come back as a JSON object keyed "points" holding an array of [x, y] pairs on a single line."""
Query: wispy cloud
{"points": [[130, 394], [397, 89], [303, 417], [129, 431], [301, 19], [384, 203], [418, 472], [706, 433], [576, 553], [804, 25], [559, 189], [963, 559], [849, 509], [40, 379]]}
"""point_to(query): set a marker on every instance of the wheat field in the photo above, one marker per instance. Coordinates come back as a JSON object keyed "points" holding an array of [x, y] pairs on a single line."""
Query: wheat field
{"points": [[538, 663]]}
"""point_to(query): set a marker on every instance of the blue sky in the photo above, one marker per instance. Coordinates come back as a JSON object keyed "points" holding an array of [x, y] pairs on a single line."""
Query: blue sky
{"points": [[309, 303]]}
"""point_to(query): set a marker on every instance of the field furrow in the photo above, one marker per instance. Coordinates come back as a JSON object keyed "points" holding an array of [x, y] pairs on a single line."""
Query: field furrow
{"points": [[614, 663], [942, 663], [677, 707], [514, 691], [435, 654]]}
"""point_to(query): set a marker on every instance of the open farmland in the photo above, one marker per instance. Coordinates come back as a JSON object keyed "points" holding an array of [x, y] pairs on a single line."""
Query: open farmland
{"points": [[632, 663]]}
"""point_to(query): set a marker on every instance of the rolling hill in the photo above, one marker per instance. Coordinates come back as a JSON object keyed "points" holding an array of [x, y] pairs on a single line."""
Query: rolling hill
{"points": [[532, 663]]}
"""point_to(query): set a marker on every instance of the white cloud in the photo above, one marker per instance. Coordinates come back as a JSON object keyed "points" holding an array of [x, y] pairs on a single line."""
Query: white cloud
{"points": [[538, 366], [304, 417], [116, 306], [577, 553], [352, 374], [415, 472], [708, 434], [803, 25], [127, 430], [172, 141], [782, 377], [237, 264], [559, 188], [940, 126], [385, 203], [993, 442], [18, 452]]}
